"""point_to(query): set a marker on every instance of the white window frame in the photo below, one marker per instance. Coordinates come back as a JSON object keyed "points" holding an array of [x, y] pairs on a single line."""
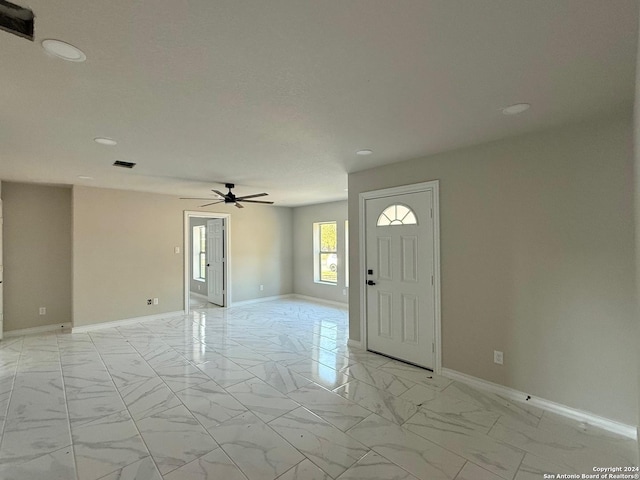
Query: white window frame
{"points": [[317, 253], [346, 253], [197, 246]]}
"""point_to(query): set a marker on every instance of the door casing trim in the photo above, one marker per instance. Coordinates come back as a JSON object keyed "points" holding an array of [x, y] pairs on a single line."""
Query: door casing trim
{"points": [[433, 187], [227, 254]]}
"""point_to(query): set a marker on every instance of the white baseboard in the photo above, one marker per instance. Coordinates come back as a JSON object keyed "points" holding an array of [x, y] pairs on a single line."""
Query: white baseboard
{"points": [[126, 321], [33, 330], [354, 344], [199, 295], [261, 299], [614, 426], [321, 300]]}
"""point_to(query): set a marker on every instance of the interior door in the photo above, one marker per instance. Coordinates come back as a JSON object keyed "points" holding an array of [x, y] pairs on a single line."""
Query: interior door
{"points": [[400, 269], [215, 261]]}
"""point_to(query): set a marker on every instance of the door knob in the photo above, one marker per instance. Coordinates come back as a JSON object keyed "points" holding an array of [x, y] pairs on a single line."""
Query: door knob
{"points": [[208, 264], [370, 282]]}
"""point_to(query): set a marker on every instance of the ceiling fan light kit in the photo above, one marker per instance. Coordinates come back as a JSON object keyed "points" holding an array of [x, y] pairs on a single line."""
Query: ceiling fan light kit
{"points": [[229, 197]]}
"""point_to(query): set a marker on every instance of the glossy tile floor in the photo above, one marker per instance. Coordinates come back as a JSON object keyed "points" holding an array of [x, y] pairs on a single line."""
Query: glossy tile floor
{"points": [[260, 392], [199, 302]]}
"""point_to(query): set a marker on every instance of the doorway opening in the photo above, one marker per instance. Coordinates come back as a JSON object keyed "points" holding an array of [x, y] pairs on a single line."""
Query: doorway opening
{"points": [[207, 281]]}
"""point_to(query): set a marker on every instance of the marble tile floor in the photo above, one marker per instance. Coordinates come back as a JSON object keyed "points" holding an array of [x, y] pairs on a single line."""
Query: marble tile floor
{"points": [[262, 392]]}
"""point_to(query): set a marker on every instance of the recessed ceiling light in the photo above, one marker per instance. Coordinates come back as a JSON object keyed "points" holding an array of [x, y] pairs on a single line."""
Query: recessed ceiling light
{"points": [[366, 151], [63, 50], [85, 177], [516, 108], [105, 141]]}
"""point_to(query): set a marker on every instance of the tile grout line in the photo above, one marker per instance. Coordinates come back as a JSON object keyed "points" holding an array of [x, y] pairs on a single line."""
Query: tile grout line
{"points": [[462, 468], [128, 412], [13, 382], [66, 404], [189, 410]]}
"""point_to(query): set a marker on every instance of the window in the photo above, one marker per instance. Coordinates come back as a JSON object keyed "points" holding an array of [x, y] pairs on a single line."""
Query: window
{"points": [[199, 253], [325, 248], [397, 215], [346, 253]]}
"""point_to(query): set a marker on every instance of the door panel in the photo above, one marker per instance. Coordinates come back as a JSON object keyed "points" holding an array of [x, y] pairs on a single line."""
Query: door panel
{"points": [[385, 300], [400, 293], [410, 319], [409, 260], [384, 258], [215, 261]]}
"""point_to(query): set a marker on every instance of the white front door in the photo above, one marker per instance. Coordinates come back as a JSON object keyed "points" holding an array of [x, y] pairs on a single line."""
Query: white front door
{"points": [[399, 274], [215, 261]]}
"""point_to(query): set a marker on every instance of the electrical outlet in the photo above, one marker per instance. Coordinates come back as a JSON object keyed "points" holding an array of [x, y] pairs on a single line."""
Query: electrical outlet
{"points": [[261, 288], [344, 291], [42, 311], [498, 357], [149, 301], [176, 250], [155, 301]]}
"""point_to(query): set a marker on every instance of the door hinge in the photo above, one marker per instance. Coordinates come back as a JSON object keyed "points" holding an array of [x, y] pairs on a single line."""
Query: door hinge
{"points": [[431, 279], [432, 213], [433, 348]]}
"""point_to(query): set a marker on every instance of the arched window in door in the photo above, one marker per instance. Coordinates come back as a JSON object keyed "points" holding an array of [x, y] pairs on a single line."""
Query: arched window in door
{"points": [[397, 214]]}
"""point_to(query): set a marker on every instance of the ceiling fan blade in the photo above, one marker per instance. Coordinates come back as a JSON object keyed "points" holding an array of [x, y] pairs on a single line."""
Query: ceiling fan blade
{"points": [[252, 196], [218, 192], [257, 201], [238, 205], [196, 198], [212, 203]]}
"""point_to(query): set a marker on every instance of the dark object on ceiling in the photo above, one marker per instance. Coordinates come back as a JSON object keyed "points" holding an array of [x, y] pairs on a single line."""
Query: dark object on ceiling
{"points": [[120, 163], [229, 197], [16, 19]]}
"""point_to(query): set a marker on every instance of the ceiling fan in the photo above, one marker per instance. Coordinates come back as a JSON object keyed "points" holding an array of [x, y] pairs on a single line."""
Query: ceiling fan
{"points": [[229, 197]]}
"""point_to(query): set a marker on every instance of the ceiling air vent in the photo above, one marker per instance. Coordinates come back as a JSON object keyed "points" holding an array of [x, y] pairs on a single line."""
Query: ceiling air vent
{"points": [[17, 20], [120, 163]]}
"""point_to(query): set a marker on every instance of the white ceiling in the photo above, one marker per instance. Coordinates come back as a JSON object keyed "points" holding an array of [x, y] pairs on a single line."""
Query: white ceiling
{"points": [[278, 95]]}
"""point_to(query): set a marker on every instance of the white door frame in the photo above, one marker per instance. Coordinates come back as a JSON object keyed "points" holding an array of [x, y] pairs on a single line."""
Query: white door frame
{"points": [[188, 214], [433, 187]]}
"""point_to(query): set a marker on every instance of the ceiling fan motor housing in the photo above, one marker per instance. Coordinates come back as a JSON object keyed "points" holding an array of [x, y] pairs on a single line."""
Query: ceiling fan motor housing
{"points": [[229, 197]]}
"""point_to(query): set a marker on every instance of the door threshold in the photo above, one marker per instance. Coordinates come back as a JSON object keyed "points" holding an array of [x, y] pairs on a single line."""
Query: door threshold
{"points": [[401, 360]]}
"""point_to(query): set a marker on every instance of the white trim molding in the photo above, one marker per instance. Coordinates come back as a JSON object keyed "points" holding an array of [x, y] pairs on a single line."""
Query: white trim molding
{"points": [[354, 344], [630, 431], [261, 299], [321, 300], [433, 187], [126, 321], [34, 330]]}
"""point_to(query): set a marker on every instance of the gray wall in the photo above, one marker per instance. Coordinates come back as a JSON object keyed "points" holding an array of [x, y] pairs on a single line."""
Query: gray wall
{"points": [[303, 220], [196, 286], [123, 253], [537, 248], [37, 255]]}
